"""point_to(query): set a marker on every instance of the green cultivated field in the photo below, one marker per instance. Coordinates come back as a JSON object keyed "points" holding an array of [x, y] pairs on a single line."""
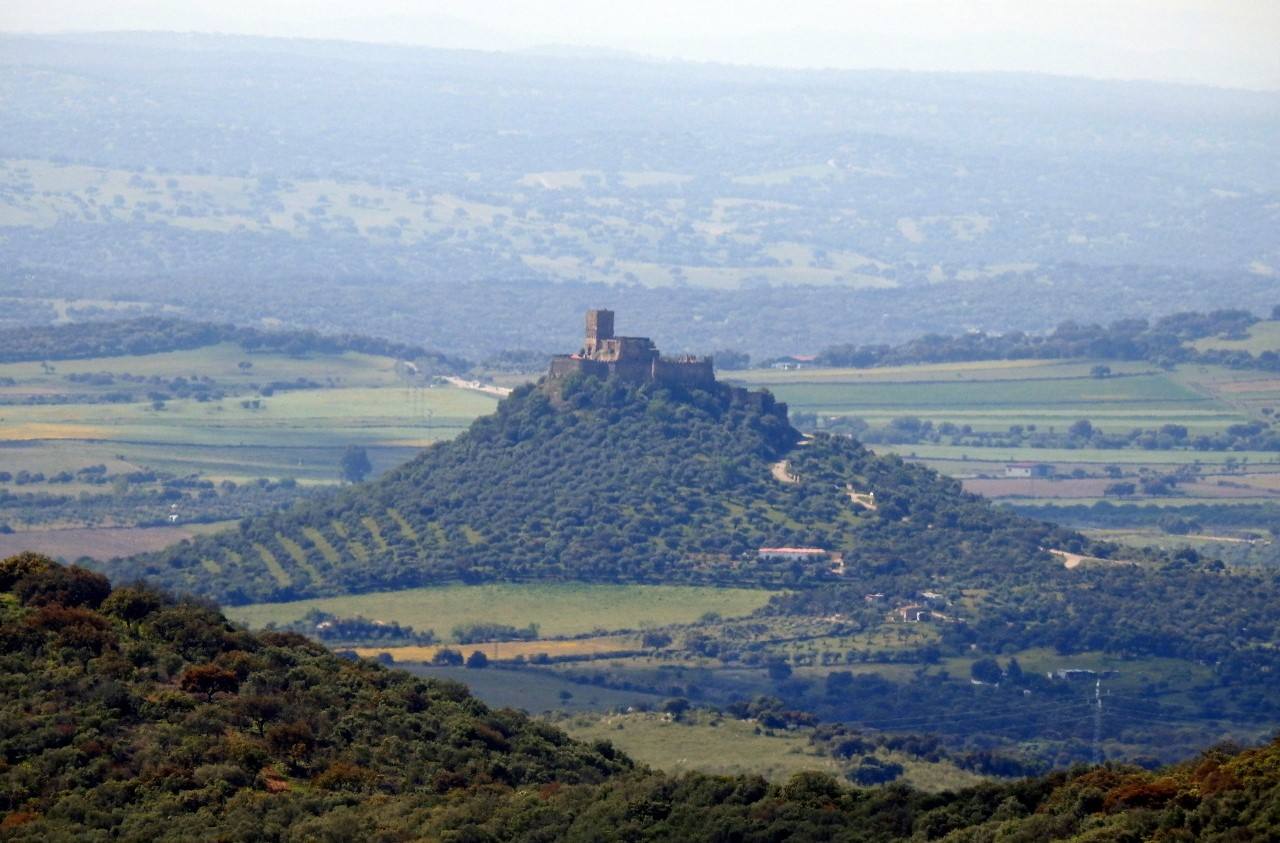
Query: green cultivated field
{"points": [[361, 399], [730, 747], [218, 361], [999, 455], [534, 691], [558, 609], [1264, 336], [992, 396]]}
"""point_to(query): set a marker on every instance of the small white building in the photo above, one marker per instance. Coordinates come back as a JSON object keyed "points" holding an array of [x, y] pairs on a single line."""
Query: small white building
{"points": [[790, 554], [1028, 469]]}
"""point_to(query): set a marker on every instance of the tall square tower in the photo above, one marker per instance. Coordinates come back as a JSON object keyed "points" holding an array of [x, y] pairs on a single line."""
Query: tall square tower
{"points": [[599, 328]]}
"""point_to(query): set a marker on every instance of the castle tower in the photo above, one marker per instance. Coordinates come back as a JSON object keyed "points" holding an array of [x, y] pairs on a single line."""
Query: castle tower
{"points": [[599, 329], [631, 359]]}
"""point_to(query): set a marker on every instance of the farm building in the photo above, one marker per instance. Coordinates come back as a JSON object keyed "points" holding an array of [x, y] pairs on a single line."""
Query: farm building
{"points": [[790, 554], [1028, 469], [795, 361]]}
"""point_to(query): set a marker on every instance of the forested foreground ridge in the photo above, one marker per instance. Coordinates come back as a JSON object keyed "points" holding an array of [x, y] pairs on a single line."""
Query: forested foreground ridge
{"points": [[133, 715]]}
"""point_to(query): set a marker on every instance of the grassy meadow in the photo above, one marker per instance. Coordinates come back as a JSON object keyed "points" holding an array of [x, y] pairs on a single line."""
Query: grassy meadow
{"points": [[355, 399], [559, 609], [536, 691], [724, 746], [1263, 336], [992, 396]]}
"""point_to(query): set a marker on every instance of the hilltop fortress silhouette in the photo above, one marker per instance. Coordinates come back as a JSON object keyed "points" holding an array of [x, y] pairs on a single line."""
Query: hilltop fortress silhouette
{"points": [[632, 359]]}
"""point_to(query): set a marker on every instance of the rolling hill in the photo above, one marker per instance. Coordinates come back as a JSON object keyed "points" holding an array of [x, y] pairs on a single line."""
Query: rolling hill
{"points": [[596, 480], [422, 192], [589, 480]]}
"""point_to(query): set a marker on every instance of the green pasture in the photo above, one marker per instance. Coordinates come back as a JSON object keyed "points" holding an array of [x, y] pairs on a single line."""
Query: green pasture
{"points": [[534, 691], [1229, 546], [724, 746], [958, 455], [1109, 420], [318, 418], [982, 370], [52, 457], [993, 395], [1131, 674], [237, 463], [1264, 336], [1145, 500], [291, 433], [214, 462], [1208, 542], [559, 609], [220, 362], [1157, 393]]}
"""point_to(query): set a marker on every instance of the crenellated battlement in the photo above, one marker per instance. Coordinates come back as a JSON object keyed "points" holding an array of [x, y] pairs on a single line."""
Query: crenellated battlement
{"points": [[634, 359]]}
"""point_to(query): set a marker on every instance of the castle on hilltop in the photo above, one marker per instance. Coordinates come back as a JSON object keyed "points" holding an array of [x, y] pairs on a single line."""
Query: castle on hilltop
{"points": [[633, 359]]}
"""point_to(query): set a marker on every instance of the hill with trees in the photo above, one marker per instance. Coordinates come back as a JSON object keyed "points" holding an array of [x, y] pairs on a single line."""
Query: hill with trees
{"points": [[604, 481], [1166, 341], [155, 335], [133, 715]]}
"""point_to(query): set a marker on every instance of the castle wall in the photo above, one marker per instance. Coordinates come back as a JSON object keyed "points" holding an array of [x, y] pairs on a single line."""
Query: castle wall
{"points": [[761, 401], [633, 370], [632, 359], [564, 365], [684, 372]]}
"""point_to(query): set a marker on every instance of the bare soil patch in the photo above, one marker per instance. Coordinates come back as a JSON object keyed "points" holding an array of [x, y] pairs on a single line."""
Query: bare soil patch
{"points": [[94, 542]]}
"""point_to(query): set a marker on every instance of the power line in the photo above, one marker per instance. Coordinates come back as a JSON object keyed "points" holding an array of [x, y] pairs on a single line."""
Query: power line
{"points": [[966, 717], [1174, 720], [1097, 722]]}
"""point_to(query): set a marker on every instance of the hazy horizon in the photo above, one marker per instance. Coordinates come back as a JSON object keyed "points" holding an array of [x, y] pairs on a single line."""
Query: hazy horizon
{"points": [[1229, 44]]}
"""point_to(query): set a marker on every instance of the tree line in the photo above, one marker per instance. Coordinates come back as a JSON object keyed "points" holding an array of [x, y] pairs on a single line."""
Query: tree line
{"points": [[1164, 342], [151, 335], [135, 715]]}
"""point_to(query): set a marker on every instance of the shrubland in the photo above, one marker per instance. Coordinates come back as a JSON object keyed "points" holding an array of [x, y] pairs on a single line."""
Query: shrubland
{"points": [[131, 714]]}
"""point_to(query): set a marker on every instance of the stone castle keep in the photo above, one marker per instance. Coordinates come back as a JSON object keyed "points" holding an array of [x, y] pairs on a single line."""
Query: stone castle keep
{"points": [[634, 359]]}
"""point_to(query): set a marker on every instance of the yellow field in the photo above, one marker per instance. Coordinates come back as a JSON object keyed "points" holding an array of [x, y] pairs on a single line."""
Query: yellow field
{"points": [[36, 431], [508, 650]]}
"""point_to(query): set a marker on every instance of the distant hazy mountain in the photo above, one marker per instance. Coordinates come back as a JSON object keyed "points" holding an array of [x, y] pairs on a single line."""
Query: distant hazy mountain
{"points": [[409, 192]]}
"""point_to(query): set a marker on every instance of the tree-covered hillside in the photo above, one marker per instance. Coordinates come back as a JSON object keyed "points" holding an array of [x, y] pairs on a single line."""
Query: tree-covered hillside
{"points": [[129, 710], [153, 335], [128, 714], [597, 480], [1166, 341], [790, 210]]}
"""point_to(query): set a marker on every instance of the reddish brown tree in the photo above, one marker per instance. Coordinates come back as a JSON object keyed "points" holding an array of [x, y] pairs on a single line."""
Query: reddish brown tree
{"points": [[209, 679]]}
